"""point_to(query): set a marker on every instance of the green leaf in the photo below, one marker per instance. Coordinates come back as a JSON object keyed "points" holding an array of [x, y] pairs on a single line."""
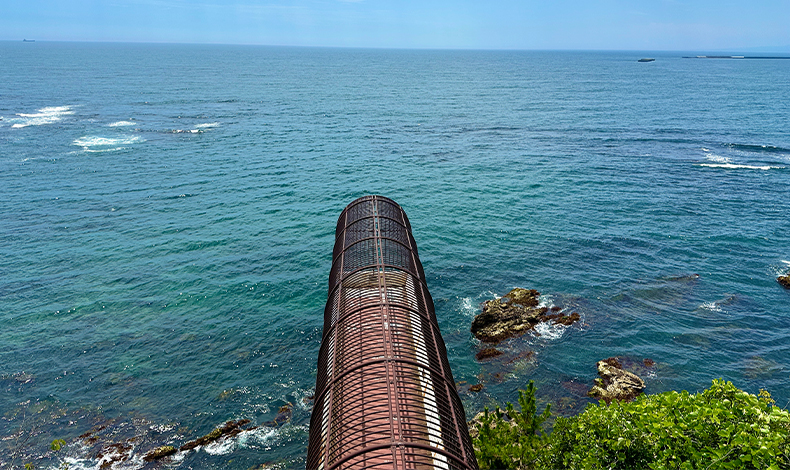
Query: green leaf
{"points": [[57, 444]]}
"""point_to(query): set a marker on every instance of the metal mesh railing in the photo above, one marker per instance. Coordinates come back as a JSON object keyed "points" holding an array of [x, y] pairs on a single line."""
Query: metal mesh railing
{"points": [[385, 396]]}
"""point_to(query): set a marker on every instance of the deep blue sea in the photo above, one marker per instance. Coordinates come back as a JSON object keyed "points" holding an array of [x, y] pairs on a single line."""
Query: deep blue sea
{"points": [[167, 217]]}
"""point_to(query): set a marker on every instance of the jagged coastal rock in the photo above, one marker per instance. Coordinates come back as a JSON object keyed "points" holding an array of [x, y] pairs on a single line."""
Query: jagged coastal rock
{"points": [[515, 314], [512, 315], [784, 281], [229, 429], [159, 452], [283, 416], [615, 383]]}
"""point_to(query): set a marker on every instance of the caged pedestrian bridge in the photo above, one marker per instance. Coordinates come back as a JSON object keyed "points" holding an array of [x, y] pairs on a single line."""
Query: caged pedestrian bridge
{"points": [[385, 397]]}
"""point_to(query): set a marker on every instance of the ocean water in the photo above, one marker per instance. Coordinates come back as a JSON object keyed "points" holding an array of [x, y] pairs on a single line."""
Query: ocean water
{"points": [[168, 215]]}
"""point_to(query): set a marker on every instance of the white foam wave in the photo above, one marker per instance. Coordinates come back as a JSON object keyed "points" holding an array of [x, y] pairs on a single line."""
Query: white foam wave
{"points": [[106, 144], [550, 330], [711, 306], [785, 262], [199, 128], [48, 115], [163, 427], [467, 307], [221, 447], [745, 167], [470, 306], [122, 124], [134, 463], [718, 158]]}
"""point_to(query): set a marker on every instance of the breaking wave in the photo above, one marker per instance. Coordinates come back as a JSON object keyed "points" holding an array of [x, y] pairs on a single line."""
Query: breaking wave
{"points": [[105, 144], [745, 167], [199, 128], [550, 330], [44, 116]]}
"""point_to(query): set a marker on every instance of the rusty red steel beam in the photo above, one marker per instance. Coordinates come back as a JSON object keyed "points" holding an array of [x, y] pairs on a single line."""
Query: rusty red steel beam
{"points": [[385, 396]]}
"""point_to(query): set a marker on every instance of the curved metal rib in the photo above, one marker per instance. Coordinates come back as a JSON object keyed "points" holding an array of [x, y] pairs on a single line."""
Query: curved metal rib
{"points": [[385, 395]]}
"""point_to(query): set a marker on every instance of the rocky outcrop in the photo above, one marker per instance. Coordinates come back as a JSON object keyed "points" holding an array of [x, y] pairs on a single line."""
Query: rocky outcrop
{"points": [[515, 314], [564, 319], [784, 281], [615, 383], [159, 452], [284, 415], [229, 429], [512, 315]]}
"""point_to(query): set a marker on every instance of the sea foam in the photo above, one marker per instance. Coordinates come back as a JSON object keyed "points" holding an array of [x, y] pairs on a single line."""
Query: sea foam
{"points": [[46, 115], [121, 124], [550, 330], [745, 167], [717, 158], [106, 144]]}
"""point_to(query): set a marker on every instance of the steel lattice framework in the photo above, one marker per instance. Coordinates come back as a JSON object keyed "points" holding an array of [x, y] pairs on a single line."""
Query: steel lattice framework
{"points": [[385, 395]]}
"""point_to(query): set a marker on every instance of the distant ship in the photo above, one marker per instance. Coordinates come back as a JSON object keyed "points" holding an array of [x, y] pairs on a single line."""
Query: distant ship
{"points": [[646, 60], [28, 40]]}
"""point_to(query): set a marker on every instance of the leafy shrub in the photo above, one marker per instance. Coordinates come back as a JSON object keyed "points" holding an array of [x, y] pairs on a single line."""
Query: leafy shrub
{"points": [[720, 428], [512, 439]]}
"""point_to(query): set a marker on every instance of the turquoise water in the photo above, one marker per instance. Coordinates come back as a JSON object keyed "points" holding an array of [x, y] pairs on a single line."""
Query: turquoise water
{"points": [[168, 218]]}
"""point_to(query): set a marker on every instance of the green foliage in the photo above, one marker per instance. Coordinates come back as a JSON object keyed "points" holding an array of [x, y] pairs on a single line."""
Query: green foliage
{"points": [[57, 444], [720, 428], [512, 439]]}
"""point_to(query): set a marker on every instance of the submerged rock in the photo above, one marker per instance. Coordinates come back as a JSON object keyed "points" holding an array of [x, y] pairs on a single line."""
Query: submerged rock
{"points": [[512, 315], [487, 353], [784, 281], [159, 452], [230, 429], [615, 383], [283, 416], [476, 388], [563, 319]]}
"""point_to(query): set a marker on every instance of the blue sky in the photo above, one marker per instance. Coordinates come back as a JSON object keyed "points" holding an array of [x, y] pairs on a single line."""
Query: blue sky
{"points": [[686, 25]]}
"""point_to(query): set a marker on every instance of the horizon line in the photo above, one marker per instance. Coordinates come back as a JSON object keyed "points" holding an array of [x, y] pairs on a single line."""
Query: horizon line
{"points": [[771, 49]]}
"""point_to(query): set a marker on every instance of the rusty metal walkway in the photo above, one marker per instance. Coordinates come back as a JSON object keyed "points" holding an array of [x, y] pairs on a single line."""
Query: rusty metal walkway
{"points": [[385, 396]]}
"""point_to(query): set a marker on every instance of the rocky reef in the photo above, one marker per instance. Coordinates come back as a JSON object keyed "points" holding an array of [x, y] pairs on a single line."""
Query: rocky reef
{"points": [[284, 415], [615, 383], [487, 353], [784, 281], [513, 315], [159, 452], [229, 429]]}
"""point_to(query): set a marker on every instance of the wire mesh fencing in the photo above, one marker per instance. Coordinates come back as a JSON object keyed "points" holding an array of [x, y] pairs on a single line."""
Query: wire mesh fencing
{"points": [[385, 396]]}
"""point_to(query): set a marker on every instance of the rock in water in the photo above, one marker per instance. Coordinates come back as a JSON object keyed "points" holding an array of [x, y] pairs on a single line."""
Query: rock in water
{"points": [[784, 281], [512, 315], [229, 429], [487, 353], [159, 452], [283, 416], [615, 383]]}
